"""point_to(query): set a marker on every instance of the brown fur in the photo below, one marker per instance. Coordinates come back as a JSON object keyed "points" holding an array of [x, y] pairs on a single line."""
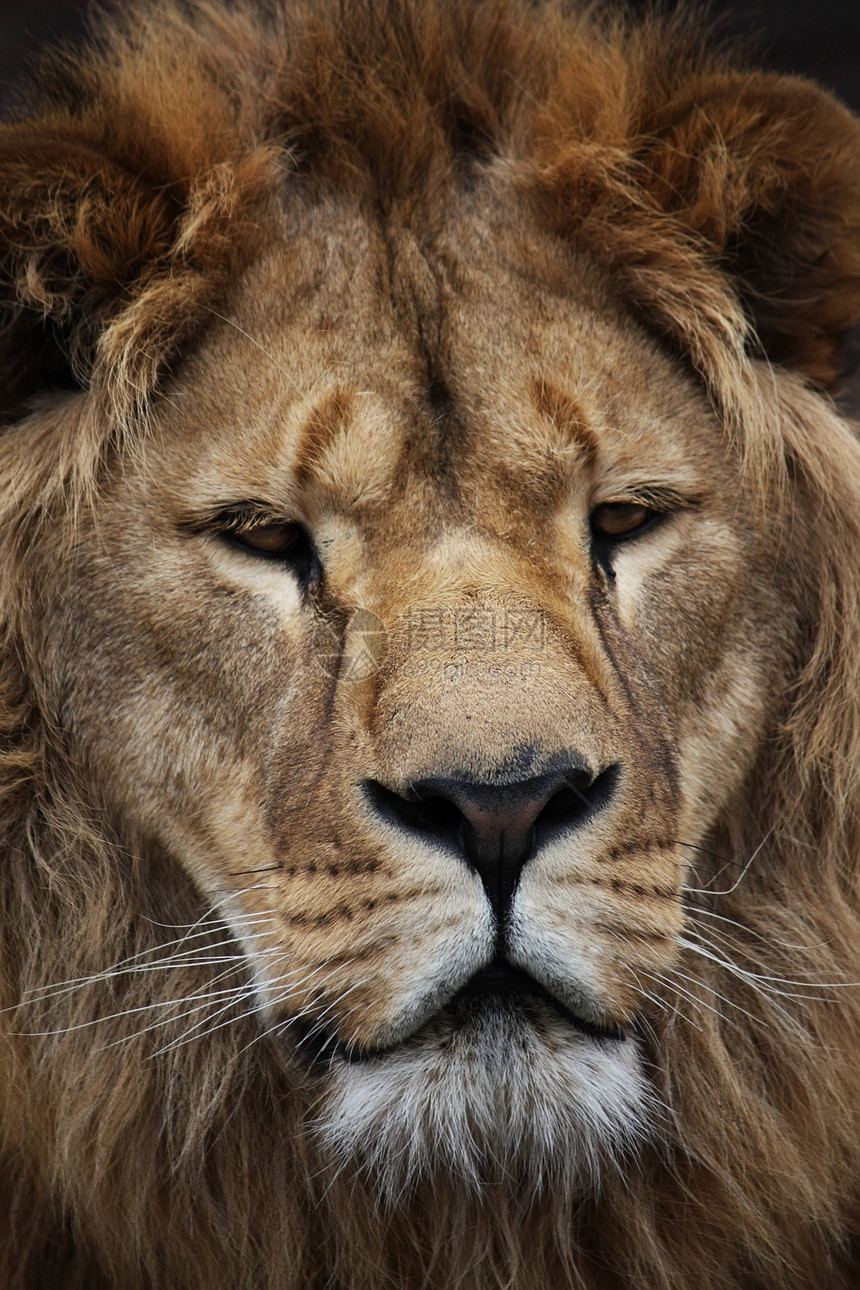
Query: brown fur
{"points": [[413, 273]]}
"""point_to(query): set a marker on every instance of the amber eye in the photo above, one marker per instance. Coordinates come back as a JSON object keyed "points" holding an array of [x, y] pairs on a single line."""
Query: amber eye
{"points": [[289, 544], [615, 520], [269, 539]]}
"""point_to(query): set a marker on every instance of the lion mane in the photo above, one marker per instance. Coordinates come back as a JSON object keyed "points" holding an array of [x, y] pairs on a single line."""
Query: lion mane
{"points": [[159, 1128]]}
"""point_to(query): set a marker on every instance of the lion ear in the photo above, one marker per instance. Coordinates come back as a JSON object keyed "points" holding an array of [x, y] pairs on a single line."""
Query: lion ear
{"points": [[77, 232], [114, 240], [766, 169]]}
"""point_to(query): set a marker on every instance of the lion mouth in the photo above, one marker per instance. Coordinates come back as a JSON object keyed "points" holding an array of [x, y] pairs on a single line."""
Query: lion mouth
{"points": [[496, 990], [500, 985]]}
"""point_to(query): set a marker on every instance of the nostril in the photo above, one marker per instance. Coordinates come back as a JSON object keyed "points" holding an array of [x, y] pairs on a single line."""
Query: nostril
{"points": [[579, 797], [433, 816]]}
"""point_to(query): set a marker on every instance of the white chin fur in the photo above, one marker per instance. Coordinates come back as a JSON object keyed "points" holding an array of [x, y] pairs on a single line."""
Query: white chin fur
{"points": [[494, 1098]]}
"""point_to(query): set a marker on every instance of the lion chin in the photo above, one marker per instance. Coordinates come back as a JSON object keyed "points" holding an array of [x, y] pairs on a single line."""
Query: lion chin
{"points": [[493, 1093], [429, 656]]}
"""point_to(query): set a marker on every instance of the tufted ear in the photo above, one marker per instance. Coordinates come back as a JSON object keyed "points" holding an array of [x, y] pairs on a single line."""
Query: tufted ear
{"points": [[77, 233], [766, 169], [125, 201]]}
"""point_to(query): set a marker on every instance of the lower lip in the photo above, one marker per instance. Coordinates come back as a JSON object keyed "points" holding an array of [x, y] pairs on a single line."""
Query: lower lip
{"points": [[499, 983], [495, 987]]}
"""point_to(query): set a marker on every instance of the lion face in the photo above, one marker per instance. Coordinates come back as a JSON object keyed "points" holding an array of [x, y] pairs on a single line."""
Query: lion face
{"points": [[433, 652], [429, 606]]}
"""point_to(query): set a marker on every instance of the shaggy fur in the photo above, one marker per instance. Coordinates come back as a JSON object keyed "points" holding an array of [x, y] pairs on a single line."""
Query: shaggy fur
{"points": [[717, 209]]}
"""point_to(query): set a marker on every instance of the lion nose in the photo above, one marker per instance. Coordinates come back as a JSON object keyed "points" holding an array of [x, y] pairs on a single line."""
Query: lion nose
{"points": [[496, 827]]}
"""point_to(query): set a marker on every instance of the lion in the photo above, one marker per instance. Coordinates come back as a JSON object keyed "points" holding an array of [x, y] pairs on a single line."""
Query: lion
{"points": [[430, 592]]}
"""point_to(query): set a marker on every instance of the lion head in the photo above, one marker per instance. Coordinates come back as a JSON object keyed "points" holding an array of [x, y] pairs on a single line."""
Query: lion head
{"points": [[430, 590]]}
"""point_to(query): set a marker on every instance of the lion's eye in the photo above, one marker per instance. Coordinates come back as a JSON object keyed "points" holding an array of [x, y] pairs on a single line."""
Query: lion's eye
{"points": [[269, 539], [613, 521], [288, 543]]}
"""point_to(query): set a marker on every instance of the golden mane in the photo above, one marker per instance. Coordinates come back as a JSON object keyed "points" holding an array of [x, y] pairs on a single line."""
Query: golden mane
{"points": [[131, 192]]}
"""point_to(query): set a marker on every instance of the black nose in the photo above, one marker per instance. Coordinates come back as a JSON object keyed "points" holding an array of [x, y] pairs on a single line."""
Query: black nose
{"points": [[497, 827]]}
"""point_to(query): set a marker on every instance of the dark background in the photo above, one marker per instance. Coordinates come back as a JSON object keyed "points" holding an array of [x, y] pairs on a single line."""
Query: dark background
{"points": [[817, 38]]}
